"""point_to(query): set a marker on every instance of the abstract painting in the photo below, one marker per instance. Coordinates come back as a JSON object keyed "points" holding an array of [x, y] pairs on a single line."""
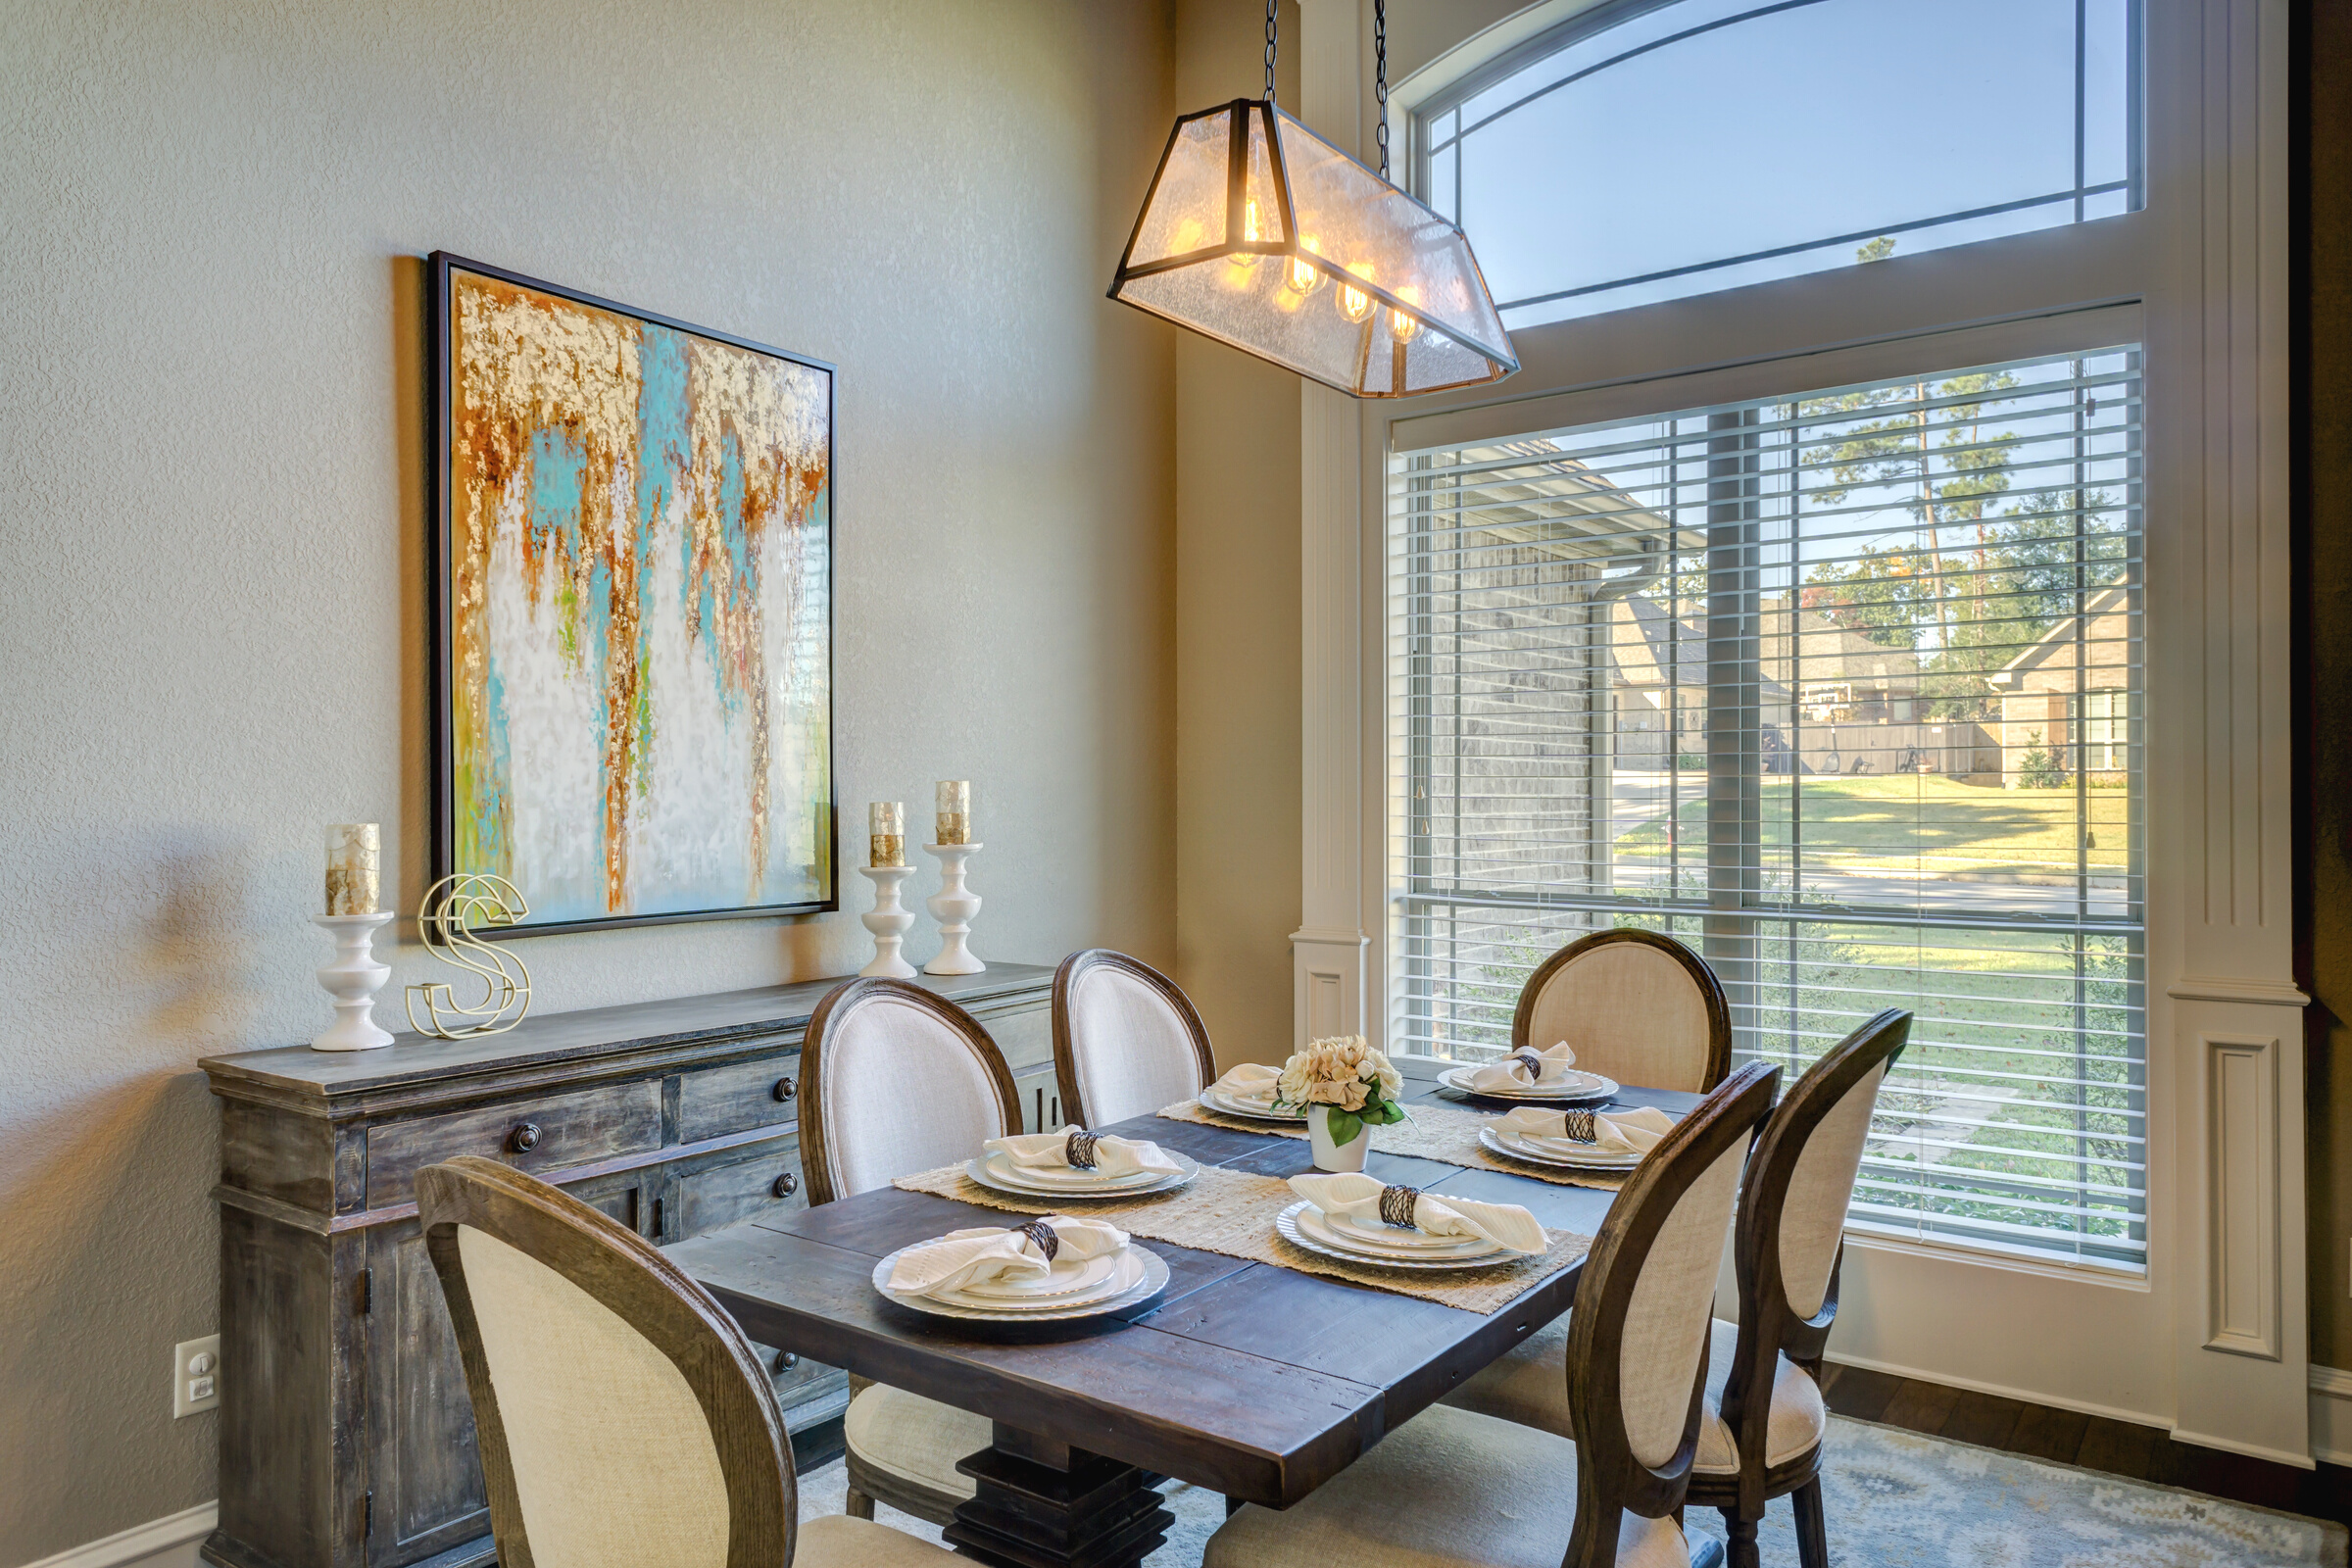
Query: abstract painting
{"points": [[634, 585]]}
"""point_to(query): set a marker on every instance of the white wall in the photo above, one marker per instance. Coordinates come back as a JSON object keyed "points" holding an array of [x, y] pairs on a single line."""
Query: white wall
{"points": [[211, 511]]}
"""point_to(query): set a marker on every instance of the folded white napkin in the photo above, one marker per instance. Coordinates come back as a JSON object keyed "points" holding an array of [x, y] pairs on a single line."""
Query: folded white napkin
{"points": [[961, 1259], [1252, 1080], [1614, 1132], [1358, 1198], [1114, 1156], [1526, 1069]]}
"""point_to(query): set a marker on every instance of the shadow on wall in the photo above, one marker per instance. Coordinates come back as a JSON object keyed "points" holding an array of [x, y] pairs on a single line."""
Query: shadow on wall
{"points": [[110, 1256]]}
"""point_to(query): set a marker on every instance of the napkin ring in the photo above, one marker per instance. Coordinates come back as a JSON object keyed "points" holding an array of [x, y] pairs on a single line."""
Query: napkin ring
{"points": [[1533, 1065], [1080, 1151], [1396, 1205], [1048, 1240], [1582, 1127]]}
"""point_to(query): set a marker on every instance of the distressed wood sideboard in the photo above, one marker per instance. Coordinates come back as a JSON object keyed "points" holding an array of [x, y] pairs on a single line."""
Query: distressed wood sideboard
{"points": [[346, 1434]]}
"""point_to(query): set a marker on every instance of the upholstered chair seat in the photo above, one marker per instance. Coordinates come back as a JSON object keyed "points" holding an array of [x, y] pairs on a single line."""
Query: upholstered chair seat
{"points": [[914, 1442], [1126, 1039], [1449, 1489], [1530, 1386], [839, 1542]]}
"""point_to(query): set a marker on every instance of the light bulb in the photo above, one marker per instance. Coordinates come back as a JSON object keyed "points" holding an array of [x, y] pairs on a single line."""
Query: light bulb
{"points": [[1353, 303], [1401, 326], [1304, 278], [1248, 233]]}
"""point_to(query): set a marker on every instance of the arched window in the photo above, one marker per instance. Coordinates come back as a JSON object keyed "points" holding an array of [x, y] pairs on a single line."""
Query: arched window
{"points": [[1639, 153]]}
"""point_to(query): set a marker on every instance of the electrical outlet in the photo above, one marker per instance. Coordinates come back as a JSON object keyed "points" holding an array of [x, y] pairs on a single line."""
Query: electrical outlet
{"points": [[196, 1375]]}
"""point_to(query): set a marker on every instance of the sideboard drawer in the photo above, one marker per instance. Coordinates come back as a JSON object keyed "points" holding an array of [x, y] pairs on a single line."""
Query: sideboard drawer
{"points": [[711, 1199], [539, 1135], [719, 1101]]}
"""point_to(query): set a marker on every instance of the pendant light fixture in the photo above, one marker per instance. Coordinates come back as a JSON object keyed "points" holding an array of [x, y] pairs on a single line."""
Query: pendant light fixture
{"points": [[1259, 233]]}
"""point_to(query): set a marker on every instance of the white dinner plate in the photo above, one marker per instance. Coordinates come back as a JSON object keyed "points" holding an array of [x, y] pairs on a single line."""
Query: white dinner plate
{"points": [[1501, 1144], [1249, 1111], [1577, 1087], [1316, 1236], [1070, 1175], [1407, 1244], [1152, 1278], [1382, 1236], [1063, 1277], [1106, 1277], [988, 1173]]}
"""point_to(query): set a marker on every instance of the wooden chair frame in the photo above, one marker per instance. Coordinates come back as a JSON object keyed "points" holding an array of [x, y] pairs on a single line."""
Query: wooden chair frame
{"points": [[646, 1291], [1608, 1477], [1710, 990], [866, 1483], [1769, 1327], [839, 1005], [1076, 968]]}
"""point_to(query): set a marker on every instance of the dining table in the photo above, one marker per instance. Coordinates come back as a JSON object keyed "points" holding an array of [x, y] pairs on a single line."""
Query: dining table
{"points": [[1243, 1377]]}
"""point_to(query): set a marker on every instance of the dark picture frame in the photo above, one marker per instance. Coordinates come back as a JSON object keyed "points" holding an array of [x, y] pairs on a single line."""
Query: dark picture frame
{"points": [[444, 272]]}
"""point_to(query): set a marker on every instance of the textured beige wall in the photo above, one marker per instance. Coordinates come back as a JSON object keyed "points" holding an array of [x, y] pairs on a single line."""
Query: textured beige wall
{"points": [[1238, 621], [211, 612]]}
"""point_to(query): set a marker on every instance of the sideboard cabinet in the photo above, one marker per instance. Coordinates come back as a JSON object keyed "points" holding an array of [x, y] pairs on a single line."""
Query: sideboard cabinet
{"points": [[346, 1433]]}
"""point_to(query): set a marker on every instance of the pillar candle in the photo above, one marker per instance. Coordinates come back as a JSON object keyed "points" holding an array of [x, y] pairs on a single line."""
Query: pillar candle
{"points": [[886, 828], [352, 852], [954, 810]]}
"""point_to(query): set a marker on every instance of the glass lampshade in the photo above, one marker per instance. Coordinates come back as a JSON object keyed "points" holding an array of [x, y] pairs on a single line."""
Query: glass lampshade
{"points": [[1262, 235]]}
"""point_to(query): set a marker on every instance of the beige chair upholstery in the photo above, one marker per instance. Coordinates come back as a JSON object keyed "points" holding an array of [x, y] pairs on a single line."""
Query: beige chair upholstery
{"points": [[1449, 1489], [1666, 1325], [1813, 1214], [1126, 1040], [896, 1081], [1528, 1386], [1640, 1012], [590, 1357]]}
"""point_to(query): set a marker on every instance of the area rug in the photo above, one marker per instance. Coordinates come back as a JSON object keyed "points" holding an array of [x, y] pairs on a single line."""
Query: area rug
{"points": [[1896, 1499]]}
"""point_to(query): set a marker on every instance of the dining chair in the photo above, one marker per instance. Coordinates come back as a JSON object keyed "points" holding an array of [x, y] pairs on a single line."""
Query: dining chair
{"points": [[895, 1080], [623, 1419], [1637, 1006], [1452, 1487], [1787, 1246], [1127, 1039]]}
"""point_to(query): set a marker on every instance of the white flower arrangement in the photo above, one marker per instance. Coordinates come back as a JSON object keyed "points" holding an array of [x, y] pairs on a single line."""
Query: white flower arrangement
{"points": [[1343, 1073]]}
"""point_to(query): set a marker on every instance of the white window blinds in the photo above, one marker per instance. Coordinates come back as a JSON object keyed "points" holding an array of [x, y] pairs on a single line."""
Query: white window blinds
{"points": [[1841, 689]]}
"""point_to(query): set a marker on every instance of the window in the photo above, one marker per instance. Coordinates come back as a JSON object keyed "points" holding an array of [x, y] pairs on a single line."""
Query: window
{"points": [[1837, 687], [1645, 152]]}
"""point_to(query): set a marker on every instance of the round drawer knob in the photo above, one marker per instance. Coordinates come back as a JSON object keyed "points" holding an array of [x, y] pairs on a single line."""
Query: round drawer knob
{"points": [[787, 1185], [785, 1088], [786, 1360], [524, 1138]]}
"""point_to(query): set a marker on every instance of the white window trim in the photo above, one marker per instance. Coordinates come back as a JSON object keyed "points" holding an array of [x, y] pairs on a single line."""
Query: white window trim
{"points": [[2220, 1351]]}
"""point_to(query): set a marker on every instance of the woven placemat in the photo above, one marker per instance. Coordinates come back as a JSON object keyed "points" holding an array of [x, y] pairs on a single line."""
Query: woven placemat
{"points": [[1436, 1132], [1232, 1213]]}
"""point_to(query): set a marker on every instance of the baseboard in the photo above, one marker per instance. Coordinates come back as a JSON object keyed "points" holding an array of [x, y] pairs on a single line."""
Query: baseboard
{"points": [[2331, 1415], [141, 1542], [2137, 1418], [2252, 1451]]}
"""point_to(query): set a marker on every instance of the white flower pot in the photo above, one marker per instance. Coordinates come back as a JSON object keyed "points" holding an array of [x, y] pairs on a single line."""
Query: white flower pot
{"points": [[1328, 1156]]}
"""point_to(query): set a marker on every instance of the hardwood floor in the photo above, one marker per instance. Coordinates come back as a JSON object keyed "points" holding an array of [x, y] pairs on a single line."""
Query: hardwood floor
{"points": [[2095, 1443]]}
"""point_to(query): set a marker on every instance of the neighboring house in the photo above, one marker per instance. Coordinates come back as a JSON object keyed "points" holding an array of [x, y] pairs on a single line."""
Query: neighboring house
{"points": [[2069, 697]]}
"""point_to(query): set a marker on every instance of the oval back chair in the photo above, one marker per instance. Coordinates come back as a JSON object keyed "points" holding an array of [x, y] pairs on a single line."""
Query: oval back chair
{"points": [[1126, 1039], [1635, 1006], [1453, 1488], [591, 1357], [1789, 1241], [895, 1080]]}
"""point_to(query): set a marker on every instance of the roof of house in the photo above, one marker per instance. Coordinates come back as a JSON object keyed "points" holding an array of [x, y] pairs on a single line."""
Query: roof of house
{"points": [[2106, 602]]}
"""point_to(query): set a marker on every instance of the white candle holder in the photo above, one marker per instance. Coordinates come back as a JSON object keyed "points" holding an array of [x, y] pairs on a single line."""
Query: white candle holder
{"points": [[888, 921], [953, 908], [353, 980]]}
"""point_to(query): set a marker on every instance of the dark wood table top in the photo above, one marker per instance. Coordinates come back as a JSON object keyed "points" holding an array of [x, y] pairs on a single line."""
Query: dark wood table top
{"points": [[1252, 1380]]}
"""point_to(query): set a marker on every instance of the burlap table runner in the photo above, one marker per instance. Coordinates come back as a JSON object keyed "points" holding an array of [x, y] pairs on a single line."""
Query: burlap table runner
{"points": [[1436, 1132], [1232, 1213]]}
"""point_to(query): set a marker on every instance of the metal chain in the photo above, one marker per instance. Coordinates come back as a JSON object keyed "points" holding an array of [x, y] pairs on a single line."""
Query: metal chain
{"points": [[1380, 76], [1272, 7]]}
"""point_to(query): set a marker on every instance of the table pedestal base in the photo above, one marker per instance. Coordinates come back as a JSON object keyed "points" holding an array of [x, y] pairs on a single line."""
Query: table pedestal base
{"points": [[1043, 1505]]}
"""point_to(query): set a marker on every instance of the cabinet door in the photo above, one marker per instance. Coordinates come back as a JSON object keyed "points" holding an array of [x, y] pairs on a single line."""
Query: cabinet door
{"points": [[424, 1473], [1039, 1097]]}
